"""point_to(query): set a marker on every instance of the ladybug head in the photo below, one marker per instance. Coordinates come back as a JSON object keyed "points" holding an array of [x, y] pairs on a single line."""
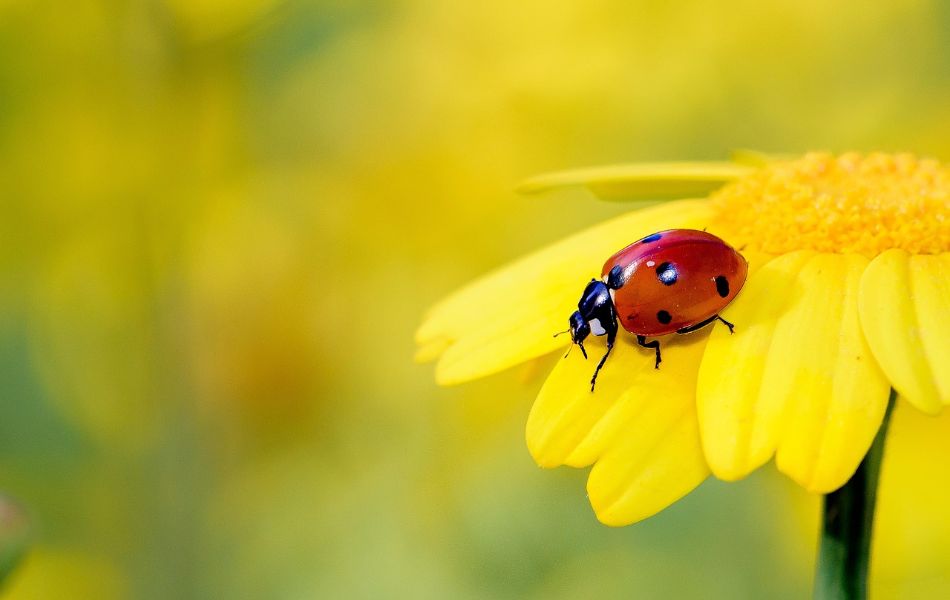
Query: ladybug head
{"points": [[594, 312], [579, 330]]}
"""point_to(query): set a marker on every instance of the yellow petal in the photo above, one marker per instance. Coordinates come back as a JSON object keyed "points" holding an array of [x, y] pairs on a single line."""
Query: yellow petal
{"points": [[930, 282], [510, 316], [642, 181], [904, 305], [639, 425], [807, 384], [636, 480], [739, 428], [431, 350], [821, 368], [911, 546]]}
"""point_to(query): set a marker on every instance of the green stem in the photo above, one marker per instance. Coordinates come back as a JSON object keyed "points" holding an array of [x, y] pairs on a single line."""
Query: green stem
{"points": [[845, 551]]}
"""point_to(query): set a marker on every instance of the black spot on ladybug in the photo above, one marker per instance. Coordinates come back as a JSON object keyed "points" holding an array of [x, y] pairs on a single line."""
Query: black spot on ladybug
{"points": [[666, 273], [651, 238], [664, 317], [722, 285]]}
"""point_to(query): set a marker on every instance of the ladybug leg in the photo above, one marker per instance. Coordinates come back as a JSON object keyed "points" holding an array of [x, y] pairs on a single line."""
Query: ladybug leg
{"points": [[702, 324], [611, 338], [655, 344], [699, 325], [727, 323], [603, 359]]}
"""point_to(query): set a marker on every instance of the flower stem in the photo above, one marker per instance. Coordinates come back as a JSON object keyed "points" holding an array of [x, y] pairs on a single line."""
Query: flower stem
{"points": [[845, 551]]}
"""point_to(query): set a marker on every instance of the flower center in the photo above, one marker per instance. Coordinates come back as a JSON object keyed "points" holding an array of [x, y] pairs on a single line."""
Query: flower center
{"points": [[849, 203]]}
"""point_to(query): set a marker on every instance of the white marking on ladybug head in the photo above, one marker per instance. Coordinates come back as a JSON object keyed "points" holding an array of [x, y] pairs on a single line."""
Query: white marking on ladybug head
{"points": [[596, 328]]}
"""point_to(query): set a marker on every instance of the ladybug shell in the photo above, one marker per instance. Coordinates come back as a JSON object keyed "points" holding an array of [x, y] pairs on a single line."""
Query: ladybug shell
{"points": [[674, 279]]}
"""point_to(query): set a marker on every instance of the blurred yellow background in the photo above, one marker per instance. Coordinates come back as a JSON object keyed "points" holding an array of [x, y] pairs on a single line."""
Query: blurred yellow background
{"points": [[223, 220]]}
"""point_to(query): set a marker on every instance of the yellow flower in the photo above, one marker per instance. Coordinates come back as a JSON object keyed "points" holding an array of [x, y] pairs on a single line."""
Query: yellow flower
{"points": [[848, 295]]}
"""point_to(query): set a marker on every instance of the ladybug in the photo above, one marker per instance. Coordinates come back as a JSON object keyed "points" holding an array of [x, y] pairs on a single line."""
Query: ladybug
{"points": [[673, 281]]}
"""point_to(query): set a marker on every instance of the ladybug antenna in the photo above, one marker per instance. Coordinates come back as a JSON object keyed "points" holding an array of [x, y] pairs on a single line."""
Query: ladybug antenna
{"points": [[568, 330]]}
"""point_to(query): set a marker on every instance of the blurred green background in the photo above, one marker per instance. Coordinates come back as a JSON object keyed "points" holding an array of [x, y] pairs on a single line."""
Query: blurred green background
{"points": [[223, 219]]}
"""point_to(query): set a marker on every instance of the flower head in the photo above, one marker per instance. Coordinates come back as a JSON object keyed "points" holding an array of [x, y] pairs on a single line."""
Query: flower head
{"points": [[848, 296]]}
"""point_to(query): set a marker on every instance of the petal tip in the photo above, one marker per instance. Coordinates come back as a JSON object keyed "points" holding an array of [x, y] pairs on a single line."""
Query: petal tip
{"points": [[729, 473], [616, 514], [540, 450], [622, 513], [612, 520], [448, 375], [430, 351], [533, 185]]}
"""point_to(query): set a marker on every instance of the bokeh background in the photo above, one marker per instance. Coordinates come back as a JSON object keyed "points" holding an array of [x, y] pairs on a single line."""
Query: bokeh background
{"points": [[223, 219]]}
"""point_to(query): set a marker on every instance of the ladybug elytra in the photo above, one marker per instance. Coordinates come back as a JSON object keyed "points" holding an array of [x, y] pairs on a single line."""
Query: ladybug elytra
{"points": [[673, 281]]}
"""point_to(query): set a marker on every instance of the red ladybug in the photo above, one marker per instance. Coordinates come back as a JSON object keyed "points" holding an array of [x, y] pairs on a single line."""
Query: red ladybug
{"points": [[673, 281]]}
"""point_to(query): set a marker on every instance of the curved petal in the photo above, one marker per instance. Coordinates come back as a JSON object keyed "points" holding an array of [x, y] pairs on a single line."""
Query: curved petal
{"points": [[509, 316], [431, 350], [642, 181], [904, 304], [638, 478], [739, 428], [639, 426], [807, 384], [835, 394]]}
